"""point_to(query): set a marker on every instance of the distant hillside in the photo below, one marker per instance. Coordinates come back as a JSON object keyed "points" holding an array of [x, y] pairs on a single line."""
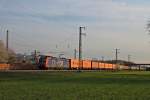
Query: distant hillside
{"points": [[122, 62]]}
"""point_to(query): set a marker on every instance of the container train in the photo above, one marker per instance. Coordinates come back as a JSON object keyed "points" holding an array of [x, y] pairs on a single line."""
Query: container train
{"points": [[50, 62]]}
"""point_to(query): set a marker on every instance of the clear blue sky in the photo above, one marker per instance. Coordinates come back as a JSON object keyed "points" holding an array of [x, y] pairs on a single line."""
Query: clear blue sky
{"points": [[52, 25]]}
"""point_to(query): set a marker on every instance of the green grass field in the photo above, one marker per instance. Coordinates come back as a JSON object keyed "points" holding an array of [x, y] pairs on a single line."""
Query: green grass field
{"points": [[75, 86]]}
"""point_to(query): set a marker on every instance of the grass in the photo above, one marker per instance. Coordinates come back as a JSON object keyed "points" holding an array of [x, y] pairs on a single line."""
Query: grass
{"points": [[75, 86]]}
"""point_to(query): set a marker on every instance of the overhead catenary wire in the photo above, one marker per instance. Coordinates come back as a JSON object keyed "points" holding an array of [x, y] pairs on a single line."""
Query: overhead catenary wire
{"points": [[23, 41], [20, 40], [116, 56], [2, 32]]}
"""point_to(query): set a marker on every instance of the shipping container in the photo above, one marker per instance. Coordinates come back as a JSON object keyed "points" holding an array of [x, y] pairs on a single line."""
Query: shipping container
{"points": [[143, 68], [95, 65], [74, 63], [105, 65], [122, 67], [134, 68], [109, 66], [5, 66], [87, 64], [114, 66], [101, 65]]}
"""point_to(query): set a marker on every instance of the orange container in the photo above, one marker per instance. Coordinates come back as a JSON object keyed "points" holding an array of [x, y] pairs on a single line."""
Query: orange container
{"points": [[114, 66], [109, 66], [74, 63], [102, 65], [106, 66], [95, 65], [86, 64], [4, 66]]}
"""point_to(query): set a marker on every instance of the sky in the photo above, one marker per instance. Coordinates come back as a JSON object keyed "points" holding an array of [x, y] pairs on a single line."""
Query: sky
{"points": [[52, 27]]}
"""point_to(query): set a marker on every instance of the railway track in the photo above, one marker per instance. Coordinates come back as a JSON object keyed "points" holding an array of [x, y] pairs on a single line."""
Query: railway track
{"points": [[52, 70]]}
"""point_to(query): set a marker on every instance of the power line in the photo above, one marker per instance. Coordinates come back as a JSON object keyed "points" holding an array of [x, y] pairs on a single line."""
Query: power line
{"points": [[80, 46], [129, 58], [75, 53], [2, 30], [20, 41], [22, 38], [102, 58], [116, 56], [7, 39]]}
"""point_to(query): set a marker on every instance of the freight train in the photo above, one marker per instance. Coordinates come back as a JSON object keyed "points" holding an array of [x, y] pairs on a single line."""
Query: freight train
{"points": [[50, 62]]}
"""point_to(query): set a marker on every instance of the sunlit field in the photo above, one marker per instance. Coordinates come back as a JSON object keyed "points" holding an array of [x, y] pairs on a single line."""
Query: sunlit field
{"points": [[75, 85]]}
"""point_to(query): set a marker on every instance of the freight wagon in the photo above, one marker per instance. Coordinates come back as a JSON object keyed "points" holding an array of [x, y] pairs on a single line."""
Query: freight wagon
{"points": [[86, 64], [5, 66], [122, 67], [74, 63], [95, 65], [102, 66]]}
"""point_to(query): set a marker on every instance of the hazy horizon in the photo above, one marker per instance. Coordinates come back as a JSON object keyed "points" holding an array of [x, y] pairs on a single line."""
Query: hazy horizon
{"points": [[53, 26]]}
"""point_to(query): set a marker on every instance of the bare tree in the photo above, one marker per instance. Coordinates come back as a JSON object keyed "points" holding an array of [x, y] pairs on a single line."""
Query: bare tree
{"points": [[11, 57], [6, 56], [3, 53]]}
